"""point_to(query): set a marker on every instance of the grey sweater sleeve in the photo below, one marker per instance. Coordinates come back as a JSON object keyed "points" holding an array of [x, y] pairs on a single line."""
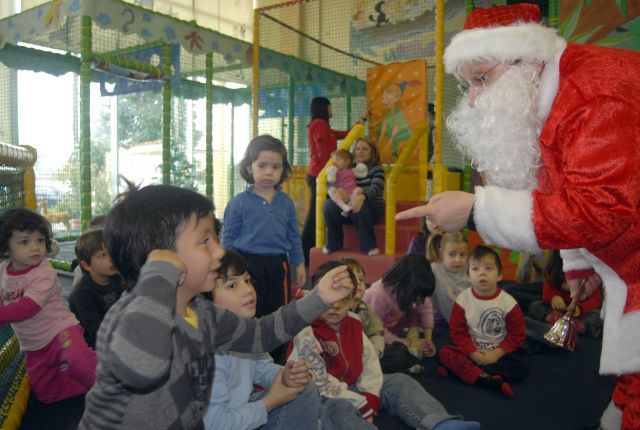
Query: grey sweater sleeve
{"points": [[139, 343], [266, 333]]}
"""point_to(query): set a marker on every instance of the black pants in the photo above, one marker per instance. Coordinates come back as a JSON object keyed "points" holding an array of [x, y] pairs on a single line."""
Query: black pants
{"points": [[270, 275], [364, 221], [309, 229]]}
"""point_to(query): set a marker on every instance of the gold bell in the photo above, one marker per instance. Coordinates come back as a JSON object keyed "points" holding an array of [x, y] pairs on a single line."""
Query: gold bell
{"points": [[563, 333]]}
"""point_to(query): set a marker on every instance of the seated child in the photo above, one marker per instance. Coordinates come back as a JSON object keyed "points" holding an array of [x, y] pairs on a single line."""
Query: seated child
{"points": [[401, 301], [486, 326], [450, 273], [371, 324], [96, 223], [59, 363], [98, 289], [341, 178], [290, 399], [347, 372], [427, 241], [556, 297], [156, 345]]}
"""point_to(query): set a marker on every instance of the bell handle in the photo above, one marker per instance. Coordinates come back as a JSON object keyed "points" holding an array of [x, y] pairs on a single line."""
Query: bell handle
{"points": [[574, 301]]}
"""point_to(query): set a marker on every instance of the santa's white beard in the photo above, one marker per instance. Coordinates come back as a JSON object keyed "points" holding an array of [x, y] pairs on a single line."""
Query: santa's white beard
{"points": [[500, 134]]}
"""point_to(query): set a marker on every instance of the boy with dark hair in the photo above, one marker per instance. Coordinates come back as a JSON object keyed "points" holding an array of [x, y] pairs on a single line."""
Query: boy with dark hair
{"points": [[290, 399], [156, 345], [486, 325], [98, 289], [346, 369]]}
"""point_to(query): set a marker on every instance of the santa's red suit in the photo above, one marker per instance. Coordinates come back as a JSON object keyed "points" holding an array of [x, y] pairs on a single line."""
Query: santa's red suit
{"points": [[588, 195]]}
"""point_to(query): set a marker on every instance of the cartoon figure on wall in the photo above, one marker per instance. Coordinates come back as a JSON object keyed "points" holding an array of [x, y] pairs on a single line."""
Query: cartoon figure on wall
{"points": [[396, 94]]}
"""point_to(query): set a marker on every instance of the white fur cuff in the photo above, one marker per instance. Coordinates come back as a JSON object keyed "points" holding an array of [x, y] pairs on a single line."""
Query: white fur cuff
{"points": [[504, 218]]}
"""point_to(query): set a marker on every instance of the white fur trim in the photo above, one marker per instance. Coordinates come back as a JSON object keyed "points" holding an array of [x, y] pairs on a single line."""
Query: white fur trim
{"points": [[621, 339], [504, 218], [573, 259], [549, 81], [529, 42]]}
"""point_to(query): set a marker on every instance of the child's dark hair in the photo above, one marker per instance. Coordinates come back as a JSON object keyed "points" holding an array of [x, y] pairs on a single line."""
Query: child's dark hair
{"points": [[231, 264], [410, 278], [553, 271], [330, 265], [146, 219], [352, 264], [21, 219], [481, 251], [90, 242], [97, 221], [320, 108], [256, 146], [343, 153]]}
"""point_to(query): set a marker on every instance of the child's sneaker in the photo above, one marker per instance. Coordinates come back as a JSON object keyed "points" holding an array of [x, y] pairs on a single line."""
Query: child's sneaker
{"points": [[579, 326], [454, 424], [442, 371], [415, 369], [553, 317]]}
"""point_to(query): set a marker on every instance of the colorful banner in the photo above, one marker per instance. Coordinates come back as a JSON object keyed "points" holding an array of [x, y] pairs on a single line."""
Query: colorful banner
{"points": [[397, 100]]}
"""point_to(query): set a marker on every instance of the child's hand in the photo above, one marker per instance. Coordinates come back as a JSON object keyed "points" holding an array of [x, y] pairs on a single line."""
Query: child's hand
{"points": [[357, 202], [279, 394], [428, 348], [170, 257], [335, 285], [557, 304], [296, 374], [477, 356], [301, 275]]}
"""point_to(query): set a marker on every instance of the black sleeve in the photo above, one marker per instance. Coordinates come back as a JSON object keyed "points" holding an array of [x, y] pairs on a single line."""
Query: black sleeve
{"points": [[86, 306]]}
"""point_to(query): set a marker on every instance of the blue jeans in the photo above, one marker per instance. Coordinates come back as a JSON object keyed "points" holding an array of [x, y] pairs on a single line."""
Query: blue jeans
{"points": [[339, 414], [403, 397], [364, 221], [301, 413]]}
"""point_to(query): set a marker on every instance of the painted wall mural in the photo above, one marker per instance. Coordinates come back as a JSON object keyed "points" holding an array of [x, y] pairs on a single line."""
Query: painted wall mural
{"points": [[614, 23]]}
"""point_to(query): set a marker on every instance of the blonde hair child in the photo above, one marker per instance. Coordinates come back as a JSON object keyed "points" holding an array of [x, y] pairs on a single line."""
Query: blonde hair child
{"points": [[450, 273]]}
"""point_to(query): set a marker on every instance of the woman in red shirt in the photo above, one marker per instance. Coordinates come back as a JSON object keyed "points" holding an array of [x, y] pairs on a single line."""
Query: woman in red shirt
{"points": [[322, 141]]}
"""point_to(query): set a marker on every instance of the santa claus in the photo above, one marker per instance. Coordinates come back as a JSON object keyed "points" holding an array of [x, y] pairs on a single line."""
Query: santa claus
{"points": [[554, 129]]}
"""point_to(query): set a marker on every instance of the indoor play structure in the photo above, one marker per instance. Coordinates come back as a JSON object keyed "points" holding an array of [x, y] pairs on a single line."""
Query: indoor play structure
{"points": [[157, 99]]}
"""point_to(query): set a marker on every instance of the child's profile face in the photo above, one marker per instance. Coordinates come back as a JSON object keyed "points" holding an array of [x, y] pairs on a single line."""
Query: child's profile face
{"points": [[26, 248], [341, 163], [267, 169], [454, 256], [433, 227], [101, 263], [197, 245], [236, 294], [484, 275]]}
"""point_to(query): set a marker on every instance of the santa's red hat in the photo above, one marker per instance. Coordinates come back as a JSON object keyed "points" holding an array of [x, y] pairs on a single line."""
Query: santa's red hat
{"points": [[502, 33]]}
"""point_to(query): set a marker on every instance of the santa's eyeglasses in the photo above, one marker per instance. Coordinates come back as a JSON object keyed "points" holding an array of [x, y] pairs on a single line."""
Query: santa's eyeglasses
{"points": [[479, 81]]}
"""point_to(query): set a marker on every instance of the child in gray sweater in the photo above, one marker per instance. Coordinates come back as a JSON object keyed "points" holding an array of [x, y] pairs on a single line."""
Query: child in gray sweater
{"points": [[156, 345]]}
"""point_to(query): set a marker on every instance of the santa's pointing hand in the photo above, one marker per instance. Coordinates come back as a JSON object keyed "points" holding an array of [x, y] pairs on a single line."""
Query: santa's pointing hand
{"points": [[449, 210]]}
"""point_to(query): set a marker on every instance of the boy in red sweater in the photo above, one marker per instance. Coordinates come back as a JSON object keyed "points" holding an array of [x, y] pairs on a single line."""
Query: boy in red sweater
{"points": [[556, 298], [345, 367], [486, 326]]}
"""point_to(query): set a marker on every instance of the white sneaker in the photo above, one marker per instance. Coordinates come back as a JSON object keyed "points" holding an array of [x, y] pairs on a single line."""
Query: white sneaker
{"points": [[374, 251], [325, 250]]}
